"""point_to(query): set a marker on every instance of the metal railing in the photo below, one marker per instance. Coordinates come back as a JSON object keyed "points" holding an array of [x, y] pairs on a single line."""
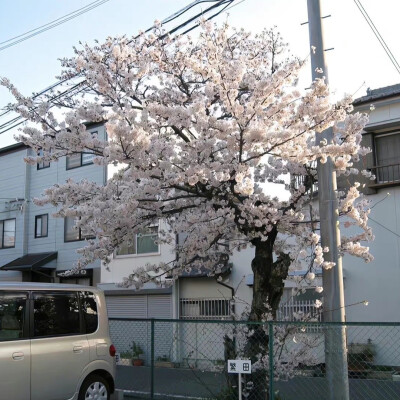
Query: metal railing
{"points": [[386, 174], [309, 180], [199, 308], [188, 359], [301, 309]]}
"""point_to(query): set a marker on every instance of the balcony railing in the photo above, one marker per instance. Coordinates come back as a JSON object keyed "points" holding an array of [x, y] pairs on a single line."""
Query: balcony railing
{"points": [[386, 175], [298, 310], [309, 180]]}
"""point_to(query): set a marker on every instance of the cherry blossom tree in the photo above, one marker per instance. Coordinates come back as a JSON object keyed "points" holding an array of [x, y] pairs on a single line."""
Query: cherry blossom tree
{"points": [[197, 126]]}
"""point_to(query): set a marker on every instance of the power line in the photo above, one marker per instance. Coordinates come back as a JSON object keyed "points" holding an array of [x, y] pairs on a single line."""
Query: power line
{"points": [[164, 21], [383, 226], [378, 35], [53, 24], [16, 120], [219, 3]]}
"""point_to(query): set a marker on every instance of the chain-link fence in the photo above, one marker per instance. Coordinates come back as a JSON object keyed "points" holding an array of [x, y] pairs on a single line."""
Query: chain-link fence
{"points": [[188, 359]]}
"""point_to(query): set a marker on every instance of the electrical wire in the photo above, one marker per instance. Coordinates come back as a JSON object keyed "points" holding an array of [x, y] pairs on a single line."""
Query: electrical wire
{"points": [[69, 91], [378, 35], [383, 226], [221, 2], [52, 24], [218, 3], [164, 21]]}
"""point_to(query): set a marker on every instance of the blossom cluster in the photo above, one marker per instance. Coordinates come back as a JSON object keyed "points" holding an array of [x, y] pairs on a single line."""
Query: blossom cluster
{"points": [[197, 126]]}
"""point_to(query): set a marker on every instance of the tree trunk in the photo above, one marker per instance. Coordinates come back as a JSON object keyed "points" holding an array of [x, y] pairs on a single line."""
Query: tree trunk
{"points": [[269, 277]]}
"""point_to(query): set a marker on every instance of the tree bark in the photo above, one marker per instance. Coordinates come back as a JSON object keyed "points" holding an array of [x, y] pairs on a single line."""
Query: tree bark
{"points": [[269, 282], [269, 278]]}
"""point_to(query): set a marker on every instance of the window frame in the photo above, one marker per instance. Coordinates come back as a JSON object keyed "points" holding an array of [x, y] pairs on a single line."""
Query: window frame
{"points": [[26, 323], [30, 322], [80, 239], [82, 153], [56, 292], [47, 225], [379, 168], [136, 254], [2, 247], [43, 164]]}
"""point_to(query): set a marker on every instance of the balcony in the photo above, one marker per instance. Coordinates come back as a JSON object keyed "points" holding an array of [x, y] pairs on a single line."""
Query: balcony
{"points": [[309, 179], [386, 175]]}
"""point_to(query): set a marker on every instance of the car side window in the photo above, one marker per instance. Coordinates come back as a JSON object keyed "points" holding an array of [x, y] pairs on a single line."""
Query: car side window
{"points": [[56, 314], [12, 315], [89, 310]]}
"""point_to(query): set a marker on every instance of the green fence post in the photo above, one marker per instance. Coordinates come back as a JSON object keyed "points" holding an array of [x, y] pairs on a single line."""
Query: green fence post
{"points": [[152, 360], [271, 359]]}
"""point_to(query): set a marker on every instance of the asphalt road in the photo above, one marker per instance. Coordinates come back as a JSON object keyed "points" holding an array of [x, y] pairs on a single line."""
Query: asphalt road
{"points": [[176, 383]]}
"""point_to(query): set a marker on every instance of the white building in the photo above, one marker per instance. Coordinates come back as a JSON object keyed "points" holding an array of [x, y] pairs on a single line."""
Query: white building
{"points": [[35, 246], [194, 295], [378, 281]]}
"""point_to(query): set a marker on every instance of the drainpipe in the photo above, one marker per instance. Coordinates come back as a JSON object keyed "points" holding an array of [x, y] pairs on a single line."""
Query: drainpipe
{"points": [[232, 292], [27, 177], [230, 350]]}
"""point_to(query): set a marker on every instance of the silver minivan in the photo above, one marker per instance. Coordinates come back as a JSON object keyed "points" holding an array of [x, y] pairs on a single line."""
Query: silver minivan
{"points": [[54, 343]]}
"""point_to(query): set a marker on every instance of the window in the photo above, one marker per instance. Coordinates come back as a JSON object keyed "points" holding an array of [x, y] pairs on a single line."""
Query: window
{"points": [[387, 153], [43, 164], [7, 233], [143, 243], [89, 310], [56, 314], [72, 233], [80, 159], [12, 316], [41, 224], [205, 308]]}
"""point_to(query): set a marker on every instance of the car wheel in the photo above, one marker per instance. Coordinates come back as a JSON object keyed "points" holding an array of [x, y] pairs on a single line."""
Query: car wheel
{"points": [[94, 387]]}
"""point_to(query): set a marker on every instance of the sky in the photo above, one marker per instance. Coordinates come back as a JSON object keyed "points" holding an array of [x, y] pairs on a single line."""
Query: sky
{"points": [[356, 63]]}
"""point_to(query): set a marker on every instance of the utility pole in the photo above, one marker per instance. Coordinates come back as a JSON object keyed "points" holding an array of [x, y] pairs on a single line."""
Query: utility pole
{"points": [[334, 311]]}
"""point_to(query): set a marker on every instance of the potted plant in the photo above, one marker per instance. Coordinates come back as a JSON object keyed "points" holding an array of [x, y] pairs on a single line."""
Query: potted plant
{"points": [[137, 354], [125, 357], [164, 361], [396, 376]]}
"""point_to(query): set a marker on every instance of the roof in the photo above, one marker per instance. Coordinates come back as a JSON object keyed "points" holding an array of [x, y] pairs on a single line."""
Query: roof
{"points": [[30, 261], [378, 94], [12, 148]]}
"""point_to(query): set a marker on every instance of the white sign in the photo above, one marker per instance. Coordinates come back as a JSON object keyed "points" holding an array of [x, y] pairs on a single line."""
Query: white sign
{"points": [[239, 366]]}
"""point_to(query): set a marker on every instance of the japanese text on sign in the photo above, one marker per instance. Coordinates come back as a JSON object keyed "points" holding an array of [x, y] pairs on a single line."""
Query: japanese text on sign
{"points": [[239, 366]]}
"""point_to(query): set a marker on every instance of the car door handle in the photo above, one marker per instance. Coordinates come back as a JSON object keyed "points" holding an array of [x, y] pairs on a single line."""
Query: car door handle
{"points": [[18, 356], [78, 349]]}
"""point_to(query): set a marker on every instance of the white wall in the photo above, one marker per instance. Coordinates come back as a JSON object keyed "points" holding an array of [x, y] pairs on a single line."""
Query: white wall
{"points": [[122, 266], [377, 281]]}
